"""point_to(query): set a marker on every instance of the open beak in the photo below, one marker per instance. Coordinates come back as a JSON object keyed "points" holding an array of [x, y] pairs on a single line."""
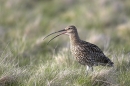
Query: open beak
{"points": [[63, 32]]}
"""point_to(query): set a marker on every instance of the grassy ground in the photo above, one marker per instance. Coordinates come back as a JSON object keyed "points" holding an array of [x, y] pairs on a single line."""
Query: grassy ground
{"points": [[25, 60]]}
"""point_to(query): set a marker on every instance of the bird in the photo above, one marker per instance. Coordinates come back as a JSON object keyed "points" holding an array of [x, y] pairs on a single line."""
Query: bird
{"points": [[86, 53]]}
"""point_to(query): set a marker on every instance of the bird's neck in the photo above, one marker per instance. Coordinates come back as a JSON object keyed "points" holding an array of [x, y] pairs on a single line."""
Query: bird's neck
{"points": [[74, 39]]}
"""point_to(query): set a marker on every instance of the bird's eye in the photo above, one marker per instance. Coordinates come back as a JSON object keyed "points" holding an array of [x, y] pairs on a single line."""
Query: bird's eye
{"points": [[69, 28]]}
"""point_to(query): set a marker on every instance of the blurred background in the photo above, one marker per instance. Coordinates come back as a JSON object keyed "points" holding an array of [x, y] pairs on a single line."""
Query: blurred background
{"points": [[24, 24], [104, 22]]}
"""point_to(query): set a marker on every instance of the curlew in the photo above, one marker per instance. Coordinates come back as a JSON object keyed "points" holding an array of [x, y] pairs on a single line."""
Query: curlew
{"points": [[85, 53]]}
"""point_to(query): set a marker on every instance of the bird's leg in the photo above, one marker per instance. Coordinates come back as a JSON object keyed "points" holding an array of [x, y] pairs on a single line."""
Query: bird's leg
{"points": [[89, 69]]}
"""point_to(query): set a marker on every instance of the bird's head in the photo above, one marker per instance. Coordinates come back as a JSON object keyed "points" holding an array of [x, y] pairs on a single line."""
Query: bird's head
{"points": [[69, 30]]}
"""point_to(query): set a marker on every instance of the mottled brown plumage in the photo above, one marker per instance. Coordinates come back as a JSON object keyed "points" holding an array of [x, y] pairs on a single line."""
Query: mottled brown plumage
{"points": [[85, 53]]}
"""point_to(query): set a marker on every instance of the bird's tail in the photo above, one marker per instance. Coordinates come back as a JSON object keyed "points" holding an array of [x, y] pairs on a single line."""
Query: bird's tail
{"points": [[110, 64]]}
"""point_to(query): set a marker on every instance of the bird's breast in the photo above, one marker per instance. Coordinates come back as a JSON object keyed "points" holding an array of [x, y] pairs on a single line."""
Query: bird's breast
{"points": [[78, 54], [74, 50], [77, 51]]}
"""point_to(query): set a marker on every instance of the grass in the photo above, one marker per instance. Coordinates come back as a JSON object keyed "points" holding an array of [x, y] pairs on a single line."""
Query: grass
{"points": [[25, 60], [62, 70]]}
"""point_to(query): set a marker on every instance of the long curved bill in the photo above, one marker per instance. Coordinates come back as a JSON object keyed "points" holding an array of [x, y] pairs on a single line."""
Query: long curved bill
{"points": [[63, 32]]}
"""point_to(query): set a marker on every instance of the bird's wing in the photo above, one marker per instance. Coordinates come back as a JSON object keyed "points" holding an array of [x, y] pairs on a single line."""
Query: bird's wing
{"points": [[91, 48], [93, 53]]}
